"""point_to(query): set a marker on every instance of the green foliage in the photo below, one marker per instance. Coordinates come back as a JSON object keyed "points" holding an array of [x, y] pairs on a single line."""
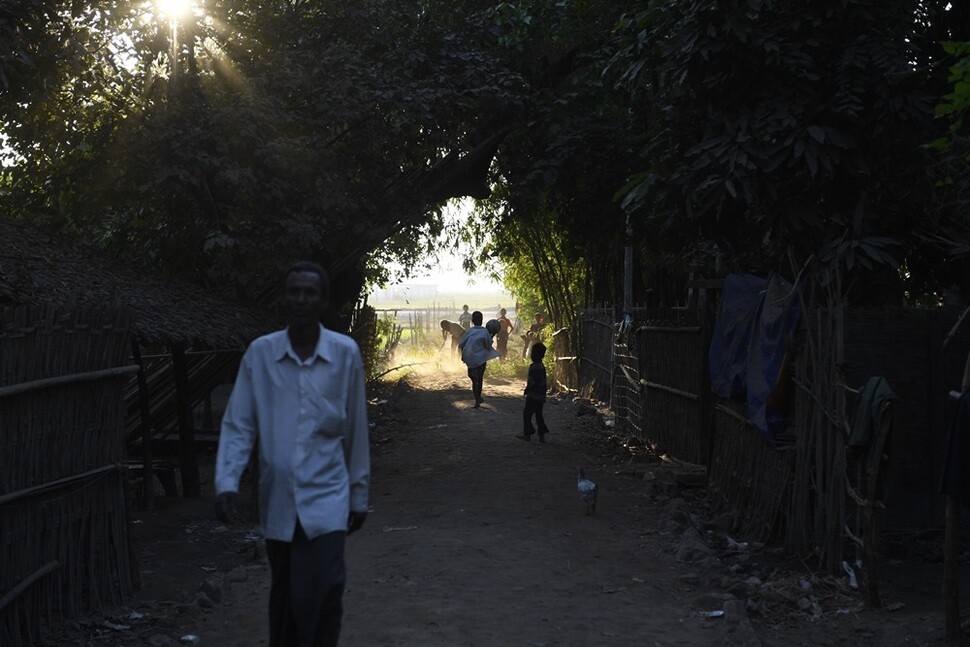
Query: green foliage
{"points": [[304, 130], [950, 227], [955, 103], [733, 136], [550, 222], [780, 129], [514, 368]]}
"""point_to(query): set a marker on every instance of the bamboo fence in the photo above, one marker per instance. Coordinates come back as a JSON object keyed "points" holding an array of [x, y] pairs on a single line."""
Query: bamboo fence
{"points": [[596, 353], [565, 372], [670, 350], [794, 490], [750, 476], [63, 518]]}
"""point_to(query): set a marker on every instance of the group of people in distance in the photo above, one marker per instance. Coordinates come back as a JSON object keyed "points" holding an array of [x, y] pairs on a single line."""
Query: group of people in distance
{"points": [[456, 329], [476, 350]]}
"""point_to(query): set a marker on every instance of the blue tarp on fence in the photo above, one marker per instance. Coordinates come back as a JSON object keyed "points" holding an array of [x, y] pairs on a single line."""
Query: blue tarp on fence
{"points": [[755, 320]]}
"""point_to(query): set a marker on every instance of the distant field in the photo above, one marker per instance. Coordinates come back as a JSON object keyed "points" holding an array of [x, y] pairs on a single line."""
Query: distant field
{"points": [[485, 301], [425, 313]]}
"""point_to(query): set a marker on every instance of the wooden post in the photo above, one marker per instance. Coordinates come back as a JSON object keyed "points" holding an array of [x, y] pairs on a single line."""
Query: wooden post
{"points": [[951, 548], [628, 267], [705, 402], [188, 461], [147, 433], [871, 494], [951, 551], [207, 420]]}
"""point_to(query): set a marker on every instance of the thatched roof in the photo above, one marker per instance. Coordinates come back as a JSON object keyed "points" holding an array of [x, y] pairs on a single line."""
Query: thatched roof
{"points": [[38, 268]]}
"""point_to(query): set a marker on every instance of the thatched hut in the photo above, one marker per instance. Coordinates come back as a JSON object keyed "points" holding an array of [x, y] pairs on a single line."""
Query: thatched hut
{"points": [[38, 268]]}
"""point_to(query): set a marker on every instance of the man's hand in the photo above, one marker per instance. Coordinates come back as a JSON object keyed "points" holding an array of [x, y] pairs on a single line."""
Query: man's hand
{"points": [[355, 521], [226, 508]]}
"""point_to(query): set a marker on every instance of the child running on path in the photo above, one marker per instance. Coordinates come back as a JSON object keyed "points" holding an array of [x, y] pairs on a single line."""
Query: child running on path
{"points": [[476, 350], [535, 395]]}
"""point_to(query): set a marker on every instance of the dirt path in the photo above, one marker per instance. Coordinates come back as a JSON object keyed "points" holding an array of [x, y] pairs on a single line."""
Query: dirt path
{"points": [[478, 538], [502, 552]]}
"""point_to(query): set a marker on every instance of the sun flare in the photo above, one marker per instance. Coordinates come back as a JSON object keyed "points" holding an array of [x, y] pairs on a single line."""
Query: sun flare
{"points": [[173, 9]]}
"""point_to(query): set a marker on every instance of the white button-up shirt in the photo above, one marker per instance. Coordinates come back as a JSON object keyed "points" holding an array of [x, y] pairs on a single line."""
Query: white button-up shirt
{"points": [[311, 420]]}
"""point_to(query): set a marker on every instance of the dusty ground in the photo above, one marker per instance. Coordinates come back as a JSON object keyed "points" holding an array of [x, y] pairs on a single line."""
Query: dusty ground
{"points": [[477, 538]]}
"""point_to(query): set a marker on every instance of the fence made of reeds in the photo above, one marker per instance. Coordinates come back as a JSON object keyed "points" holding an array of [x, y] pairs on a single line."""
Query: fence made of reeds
{"points": [[793, 490], [565, 372], [63, 517], [751, 477], [843, 348], [670, 347], [596, 333]]}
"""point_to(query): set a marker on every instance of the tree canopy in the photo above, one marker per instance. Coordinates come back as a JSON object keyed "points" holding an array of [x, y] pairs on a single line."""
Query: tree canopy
{"points": [[727, 136], [223, 145]]}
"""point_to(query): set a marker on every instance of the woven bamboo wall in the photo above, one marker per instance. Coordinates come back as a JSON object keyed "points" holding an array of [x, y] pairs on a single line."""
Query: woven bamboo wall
{"points": [[596, 353], [794, 490], [63, 521], [81, 527], [797, 488], [751, 477], [40, 342], [905, 347], [54, 433], [669, 348], [627, 397], [566, 365]]}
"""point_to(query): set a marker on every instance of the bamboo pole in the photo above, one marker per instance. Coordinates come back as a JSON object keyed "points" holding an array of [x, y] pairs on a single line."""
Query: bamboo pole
{"points": [[951, 548], [868, 513], [672, 329], [188, 461], [148, 471], [16, 591], [23, 387], [705, 403], [34, 489], [669, 389], [734, 414], [597, 365]]}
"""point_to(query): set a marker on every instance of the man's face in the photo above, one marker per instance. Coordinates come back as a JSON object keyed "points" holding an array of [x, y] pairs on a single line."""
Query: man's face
{"points": [[303, 299]]}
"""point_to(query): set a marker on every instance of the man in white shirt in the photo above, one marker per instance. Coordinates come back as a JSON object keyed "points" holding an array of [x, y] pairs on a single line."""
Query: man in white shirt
{"points": [[300, 391], [476, 350]]}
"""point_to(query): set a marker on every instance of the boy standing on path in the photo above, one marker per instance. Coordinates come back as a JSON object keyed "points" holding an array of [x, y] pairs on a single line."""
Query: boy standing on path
{"points": [[476, 350], [535, 395], [465, 319], [300, 394], [503, 334]]}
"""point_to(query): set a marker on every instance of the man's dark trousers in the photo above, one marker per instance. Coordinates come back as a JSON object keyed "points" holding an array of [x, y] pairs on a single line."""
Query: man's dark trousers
{"points": [[306, 595]]}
